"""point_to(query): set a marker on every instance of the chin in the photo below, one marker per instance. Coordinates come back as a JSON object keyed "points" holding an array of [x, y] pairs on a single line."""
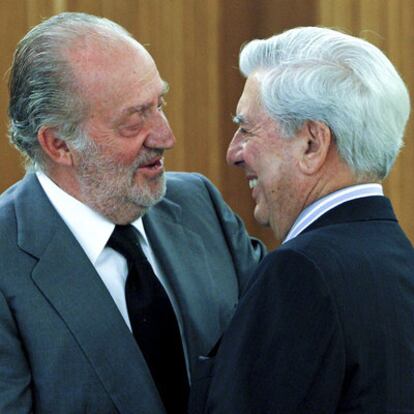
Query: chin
{"points": [[261, 217]]}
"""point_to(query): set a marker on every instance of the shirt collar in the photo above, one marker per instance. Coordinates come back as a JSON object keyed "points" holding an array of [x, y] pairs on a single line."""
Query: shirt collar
{"points": [[91, 229], [330, 201]]}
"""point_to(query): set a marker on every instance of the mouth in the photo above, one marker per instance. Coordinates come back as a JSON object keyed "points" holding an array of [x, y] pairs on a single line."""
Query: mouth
{"points": [[153, 164], [252, 180], [252, 183], [152, 167]]}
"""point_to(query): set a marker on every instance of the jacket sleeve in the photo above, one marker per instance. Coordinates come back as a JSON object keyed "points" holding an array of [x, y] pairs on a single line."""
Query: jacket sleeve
{"points": [[15, 392], [246, 251]]}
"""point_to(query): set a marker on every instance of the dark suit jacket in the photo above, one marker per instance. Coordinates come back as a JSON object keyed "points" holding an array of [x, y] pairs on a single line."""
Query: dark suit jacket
{"points": [[326, 324], [64, 346]]}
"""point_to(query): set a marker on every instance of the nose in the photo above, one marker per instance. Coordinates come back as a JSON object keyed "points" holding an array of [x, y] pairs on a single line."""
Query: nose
{"points": [[235, 151], [160, 134]]}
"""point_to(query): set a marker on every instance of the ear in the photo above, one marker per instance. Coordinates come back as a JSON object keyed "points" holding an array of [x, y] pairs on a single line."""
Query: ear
{"points": [[317, 138], [54, 147]]}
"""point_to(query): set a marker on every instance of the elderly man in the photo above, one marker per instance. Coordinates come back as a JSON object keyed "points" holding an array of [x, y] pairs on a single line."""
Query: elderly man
{"points": [[326, 324], [102, 309]]}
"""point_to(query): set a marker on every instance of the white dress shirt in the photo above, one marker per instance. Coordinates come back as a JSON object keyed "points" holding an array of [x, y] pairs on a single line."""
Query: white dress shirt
{"points": [[330, 201], [92, 231]]}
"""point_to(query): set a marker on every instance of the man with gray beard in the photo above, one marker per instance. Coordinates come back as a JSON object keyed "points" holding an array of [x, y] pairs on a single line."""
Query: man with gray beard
{"points": [[114, 276]]}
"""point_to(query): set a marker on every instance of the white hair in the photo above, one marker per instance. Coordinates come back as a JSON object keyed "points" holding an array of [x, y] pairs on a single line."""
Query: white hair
{"points": [[313, 73]]}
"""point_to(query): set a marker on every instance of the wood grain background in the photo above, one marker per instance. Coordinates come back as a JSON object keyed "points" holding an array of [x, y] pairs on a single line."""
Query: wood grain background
{"points": [[195, 44]]}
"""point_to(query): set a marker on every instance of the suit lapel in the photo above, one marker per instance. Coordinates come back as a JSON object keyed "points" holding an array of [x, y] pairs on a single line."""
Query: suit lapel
{"points": [[183, 260], [67, 279]]}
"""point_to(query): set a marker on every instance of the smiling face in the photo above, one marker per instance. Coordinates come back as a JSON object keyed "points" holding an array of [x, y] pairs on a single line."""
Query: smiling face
{"points": [[120, 171], [269, 161]]}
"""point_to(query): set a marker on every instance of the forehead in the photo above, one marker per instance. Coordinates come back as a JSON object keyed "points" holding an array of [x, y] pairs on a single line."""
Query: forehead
{"points": [[250, 106], [115, 72]]}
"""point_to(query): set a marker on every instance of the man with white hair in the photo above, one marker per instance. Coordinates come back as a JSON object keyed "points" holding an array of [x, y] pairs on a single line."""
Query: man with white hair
{"points": [[114, 276], [326, 324]]}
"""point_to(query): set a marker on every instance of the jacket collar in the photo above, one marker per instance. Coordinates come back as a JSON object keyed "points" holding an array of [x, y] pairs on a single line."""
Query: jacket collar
{"points": [[362, 209]]}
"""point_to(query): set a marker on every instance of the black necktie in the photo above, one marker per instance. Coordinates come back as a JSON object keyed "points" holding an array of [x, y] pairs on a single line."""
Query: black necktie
{"points": [[153, 321]]}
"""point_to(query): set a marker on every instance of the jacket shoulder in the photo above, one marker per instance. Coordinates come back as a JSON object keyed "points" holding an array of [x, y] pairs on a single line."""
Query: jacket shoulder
{"points": [[191, 187]]}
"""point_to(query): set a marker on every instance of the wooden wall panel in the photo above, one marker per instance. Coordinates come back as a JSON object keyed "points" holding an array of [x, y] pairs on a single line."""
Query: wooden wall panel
{"points": [[389, 25], [195, 44], [11, 29], [182, 37]]}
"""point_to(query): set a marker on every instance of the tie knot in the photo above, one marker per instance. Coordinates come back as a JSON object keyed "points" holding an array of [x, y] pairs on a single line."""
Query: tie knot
{"points": [[124, 240]]}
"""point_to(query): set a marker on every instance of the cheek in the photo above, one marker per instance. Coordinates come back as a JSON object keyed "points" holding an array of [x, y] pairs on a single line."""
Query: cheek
{"points": [[270, 186], [280, 188], [254, 156], [125, 151], [264, 164], [115, 148]]}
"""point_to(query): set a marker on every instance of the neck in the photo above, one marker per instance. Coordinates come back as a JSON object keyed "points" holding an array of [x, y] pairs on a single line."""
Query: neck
{"points": [[333, 176]]}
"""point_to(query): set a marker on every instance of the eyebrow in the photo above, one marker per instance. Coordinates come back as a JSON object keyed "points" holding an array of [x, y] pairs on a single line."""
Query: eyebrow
{"points": [[144, 107], [166, 88], [239, 119]]}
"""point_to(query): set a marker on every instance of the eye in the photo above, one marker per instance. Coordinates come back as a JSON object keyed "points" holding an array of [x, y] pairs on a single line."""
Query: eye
{"points": [[131, 128], [161, 104], [243, 131]]}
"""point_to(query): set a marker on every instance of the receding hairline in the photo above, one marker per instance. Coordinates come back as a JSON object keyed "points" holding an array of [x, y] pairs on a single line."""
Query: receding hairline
{"points": [[98, 52], [96, 38]]}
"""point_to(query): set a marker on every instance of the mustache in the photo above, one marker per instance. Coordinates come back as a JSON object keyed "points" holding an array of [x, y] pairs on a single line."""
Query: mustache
{"points": [[146, 156]]}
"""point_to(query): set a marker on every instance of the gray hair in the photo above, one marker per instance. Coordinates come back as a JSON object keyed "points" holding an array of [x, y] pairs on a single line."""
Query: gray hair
{"points": [[313, 73], [42, 84]]}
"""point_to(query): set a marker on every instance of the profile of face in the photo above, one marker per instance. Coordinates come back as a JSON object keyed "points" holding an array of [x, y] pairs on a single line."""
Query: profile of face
{"points": [[269, 161], [120, 170]]}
